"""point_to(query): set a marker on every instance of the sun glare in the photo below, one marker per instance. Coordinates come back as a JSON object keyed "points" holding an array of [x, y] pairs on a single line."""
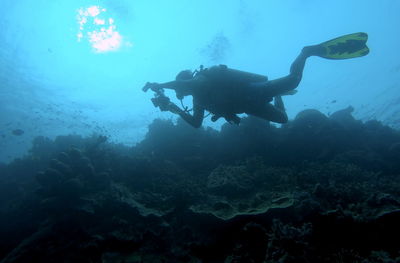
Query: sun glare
{"points": [[99, 29]]}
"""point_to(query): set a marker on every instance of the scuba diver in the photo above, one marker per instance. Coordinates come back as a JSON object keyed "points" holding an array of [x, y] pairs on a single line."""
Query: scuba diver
{"points": [[226, 92]]}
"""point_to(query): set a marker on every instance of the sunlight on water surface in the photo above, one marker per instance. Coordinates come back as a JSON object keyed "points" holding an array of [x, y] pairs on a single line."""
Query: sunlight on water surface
{"points": [[99, 29]]}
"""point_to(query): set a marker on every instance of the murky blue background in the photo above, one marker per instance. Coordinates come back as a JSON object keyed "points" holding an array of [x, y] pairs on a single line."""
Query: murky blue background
{"points": [[51, 84]]}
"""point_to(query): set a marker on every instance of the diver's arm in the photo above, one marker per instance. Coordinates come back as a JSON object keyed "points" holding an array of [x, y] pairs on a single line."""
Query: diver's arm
{"points": [[177, 85], [194, 120]]}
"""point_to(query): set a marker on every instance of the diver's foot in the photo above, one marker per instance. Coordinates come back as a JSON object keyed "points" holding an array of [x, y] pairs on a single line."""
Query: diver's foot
{"points": [[315, 50]]}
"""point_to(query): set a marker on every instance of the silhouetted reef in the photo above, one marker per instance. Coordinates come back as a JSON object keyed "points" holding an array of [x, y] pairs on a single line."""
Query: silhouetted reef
{"points": [[319, 189]]}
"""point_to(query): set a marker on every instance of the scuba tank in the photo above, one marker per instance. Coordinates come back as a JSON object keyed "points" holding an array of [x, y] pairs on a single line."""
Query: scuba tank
{"points": [[222, 73]]}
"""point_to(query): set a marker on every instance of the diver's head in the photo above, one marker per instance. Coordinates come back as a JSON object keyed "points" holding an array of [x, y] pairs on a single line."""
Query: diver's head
{"points": [[184, 75]]}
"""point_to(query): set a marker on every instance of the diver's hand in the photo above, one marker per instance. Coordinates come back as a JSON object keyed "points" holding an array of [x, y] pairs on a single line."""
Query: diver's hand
{"points": [[161, 102], [151, 85]]}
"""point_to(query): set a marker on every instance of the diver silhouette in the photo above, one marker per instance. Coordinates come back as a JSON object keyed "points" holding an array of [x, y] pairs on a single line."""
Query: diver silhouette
{"points": [[226, 92]]}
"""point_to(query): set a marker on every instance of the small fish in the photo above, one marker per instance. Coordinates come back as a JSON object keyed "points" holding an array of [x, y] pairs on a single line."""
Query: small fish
{"points": [[334, 101], [18, 132]]}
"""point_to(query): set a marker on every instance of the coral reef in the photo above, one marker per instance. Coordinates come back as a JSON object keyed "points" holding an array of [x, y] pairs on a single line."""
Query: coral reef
{"points": [[318, 189]]}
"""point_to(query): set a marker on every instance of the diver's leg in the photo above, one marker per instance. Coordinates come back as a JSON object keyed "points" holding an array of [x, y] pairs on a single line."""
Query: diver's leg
{"points": [[282, 85], [275, 113], [278, 103]]}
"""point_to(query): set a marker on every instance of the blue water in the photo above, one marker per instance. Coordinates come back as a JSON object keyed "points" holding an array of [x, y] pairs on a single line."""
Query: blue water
{"points": [[52, 84]]}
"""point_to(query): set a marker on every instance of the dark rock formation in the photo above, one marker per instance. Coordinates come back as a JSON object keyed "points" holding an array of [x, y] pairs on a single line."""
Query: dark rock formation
{"points": [[319, 189]]}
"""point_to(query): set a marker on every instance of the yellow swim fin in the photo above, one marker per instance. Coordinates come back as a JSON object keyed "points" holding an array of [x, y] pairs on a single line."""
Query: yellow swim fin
{"points": [[344, 47]]}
